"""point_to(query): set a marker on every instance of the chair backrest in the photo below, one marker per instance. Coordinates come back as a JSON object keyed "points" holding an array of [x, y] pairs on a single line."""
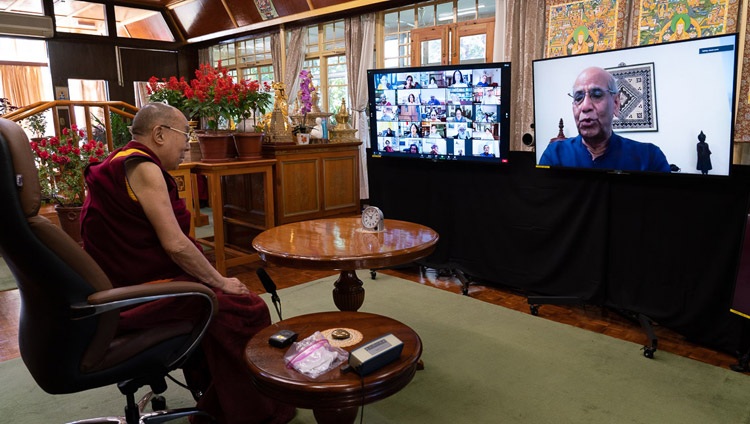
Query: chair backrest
{"points": [[52, 272]]}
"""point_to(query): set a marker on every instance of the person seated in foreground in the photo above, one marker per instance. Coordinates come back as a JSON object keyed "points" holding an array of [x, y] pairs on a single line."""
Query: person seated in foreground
{"points": [[136, 227], [596, 101]]}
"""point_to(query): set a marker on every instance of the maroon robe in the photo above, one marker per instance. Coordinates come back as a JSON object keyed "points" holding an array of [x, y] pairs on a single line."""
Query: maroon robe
{"points": [[119, 236]]}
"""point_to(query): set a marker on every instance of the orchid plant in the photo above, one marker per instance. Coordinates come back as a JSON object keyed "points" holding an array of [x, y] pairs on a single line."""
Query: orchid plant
{"points": [[305, 97]]}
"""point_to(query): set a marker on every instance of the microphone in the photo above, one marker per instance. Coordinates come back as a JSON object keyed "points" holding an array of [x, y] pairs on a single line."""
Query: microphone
{"points": [[270, 287]]}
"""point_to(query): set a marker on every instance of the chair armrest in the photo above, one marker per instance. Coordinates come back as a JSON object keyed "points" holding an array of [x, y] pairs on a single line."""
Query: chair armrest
{"points": [[124, 297]]}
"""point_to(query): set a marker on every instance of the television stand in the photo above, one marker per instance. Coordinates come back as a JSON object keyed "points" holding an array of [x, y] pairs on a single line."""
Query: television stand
{"points": [[535, 302]]}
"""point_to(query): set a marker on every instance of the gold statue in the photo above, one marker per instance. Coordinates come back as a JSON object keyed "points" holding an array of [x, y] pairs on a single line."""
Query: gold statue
{"points": [[342, 117], [280, 104]]}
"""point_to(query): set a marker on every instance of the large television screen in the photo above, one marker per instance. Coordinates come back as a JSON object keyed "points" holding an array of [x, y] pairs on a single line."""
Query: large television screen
{"points": [[671, 110], [441, 113]]}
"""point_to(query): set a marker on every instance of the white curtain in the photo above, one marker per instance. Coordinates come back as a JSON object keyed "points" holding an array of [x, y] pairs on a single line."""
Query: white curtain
{"points": [[141, 93], [295, 56], [360, 44]]}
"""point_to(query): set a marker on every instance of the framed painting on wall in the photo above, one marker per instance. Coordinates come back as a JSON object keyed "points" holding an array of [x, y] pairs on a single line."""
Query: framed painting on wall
{"points": [[660, 22], [637, 103], [583, 26]]}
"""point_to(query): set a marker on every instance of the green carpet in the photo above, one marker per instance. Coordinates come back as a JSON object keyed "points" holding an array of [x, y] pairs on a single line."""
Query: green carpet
{"points": [[7, 281], [483, 364]]}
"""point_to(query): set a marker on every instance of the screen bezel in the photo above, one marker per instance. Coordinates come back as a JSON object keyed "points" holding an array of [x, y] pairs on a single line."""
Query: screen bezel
{"points": [[502, 138], [678, 125]]}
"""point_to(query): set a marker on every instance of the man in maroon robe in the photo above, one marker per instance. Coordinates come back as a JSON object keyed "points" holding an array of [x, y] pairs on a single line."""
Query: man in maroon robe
{"points": [[136, 227]]}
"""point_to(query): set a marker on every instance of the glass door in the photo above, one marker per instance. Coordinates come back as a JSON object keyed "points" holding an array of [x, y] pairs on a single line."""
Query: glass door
{"points": [[429, 46], [460, 43]]}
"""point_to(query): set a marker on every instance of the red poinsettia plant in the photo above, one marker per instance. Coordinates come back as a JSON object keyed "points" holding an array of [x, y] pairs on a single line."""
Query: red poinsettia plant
{"points": [[168, 90], [253, 98], [211, 95], [61, 162]]}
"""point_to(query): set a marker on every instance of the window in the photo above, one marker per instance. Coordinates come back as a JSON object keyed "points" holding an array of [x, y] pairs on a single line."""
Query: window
{"points": [[88, 90], [22, 52], [433, 28], [80, 17], [141, 23], [247, 59], [325, 57], [396, 45], [250, 58]]}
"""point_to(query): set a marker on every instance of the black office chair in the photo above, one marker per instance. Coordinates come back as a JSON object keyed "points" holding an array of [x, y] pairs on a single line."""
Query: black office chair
{"points": [[68, 335]]}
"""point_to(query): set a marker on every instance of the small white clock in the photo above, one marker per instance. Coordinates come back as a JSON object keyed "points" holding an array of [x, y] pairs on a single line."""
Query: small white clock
{"points": [[372, 219]]}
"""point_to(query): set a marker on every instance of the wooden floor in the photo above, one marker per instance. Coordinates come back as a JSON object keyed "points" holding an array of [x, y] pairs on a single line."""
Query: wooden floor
{"points": [[589, 317]]}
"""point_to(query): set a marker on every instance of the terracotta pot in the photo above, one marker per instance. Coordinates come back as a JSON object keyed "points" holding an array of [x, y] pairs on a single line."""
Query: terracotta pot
{"points": [[70, 221], [217, 147], [249, 145]]}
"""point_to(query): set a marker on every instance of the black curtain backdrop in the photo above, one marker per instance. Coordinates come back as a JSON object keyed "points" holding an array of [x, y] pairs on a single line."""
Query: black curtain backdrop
{"points": [[666, 246]]}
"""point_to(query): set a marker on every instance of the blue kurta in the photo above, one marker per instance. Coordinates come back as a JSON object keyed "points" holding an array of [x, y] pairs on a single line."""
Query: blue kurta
{"points": [[622, 154]]}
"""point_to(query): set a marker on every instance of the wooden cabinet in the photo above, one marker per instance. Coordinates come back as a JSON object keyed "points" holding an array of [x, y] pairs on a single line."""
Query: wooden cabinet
{"points": [[314, 180]]}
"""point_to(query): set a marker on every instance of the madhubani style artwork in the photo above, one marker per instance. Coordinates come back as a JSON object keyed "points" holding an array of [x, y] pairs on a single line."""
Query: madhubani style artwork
{"points": [[584, 26], [637, 105], [266, 9], [661, 21]]}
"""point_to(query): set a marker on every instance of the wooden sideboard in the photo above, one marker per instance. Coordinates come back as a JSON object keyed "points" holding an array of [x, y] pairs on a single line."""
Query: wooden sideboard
{"points": [[314, 180]]}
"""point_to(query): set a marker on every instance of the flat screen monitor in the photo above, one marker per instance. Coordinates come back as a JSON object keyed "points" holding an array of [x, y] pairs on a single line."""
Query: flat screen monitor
{"points": [[676, 101], [455, 113]]}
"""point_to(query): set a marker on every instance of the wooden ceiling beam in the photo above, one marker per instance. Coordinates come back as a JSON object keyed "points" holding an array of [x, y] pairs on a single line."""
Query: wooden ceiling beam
{"points": [[229, 13], [286, 19]]}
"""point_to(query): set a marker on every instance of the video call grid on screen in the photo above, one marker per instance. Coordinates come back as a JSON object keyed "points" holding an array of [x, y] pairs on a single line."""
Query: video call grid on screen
{"points": [[694, 91], [450, 113]]}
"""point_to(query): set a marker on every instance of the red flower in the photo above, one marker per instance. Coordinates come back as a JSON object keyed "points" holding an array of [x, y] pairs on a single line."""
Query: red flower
{"points": [[65, 159]]}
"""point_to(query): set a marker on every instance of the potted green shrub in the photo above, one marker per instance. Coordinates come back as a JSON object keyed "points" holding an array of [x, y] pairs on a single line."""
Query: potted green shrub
{"points": [[37, 124]]}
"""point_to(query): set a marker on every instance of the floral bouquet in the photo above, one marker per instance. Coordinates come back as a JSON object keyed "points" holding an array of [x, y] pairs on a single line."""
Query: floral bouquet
{"points": [[305, 97], [61, 163]]}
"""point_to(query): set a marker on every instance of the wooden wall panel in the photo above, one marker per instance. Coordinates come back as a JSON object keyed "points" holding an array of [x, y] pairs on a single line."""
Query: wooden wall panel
{"points": [[290, 7], [202, 17]]}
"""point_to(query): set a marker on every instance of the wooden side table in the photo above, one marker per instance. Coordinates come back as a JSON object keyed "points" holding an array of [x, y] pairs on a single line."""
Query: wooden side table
{"points": [[341, 244], [214, 172], [334, 397]]}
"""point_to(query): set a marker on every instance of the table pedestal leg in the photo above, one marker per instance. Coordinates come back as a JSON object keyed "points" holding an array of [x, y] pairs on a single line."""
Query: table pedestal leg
{"points": [[336, 416], [348, 293]]}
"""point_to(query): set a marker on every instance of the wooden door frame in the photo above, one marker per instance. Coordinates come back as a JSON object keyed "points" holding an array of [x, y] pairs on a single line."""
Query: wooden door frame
{"points": [[449, 34]]}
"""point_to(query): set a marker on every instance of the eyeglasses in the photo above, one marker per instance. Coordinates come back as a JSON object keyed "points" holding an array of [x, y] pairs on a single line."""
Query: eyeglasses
{"points": [[595, 94], [186, 134]]}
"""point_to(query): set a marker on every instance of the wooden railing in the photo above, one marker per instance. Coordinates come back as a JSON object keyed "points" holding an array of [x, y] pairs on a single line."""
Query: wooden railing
{"points": [[123, 109]]}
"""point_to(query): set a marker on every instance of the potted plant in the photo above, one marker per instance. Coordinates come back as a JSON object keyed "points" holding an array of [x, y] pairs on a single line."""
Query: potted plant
{"points": [[61, 162], [37, 124], [6, 106], [211, 96], [252, 99], [120, 130], [170, 91], [301, 129]]}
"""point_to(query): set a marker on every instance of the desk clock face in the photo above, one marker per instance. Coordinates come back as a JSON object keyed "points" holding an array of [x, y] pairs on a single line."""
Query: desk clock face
{"points": [[372, 218]]}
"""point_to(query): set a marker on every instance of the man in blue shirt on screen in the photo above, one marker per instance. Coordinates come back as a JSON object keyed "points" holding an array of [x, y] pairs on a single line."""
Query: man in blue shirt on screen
{"points": [[595, 103]]}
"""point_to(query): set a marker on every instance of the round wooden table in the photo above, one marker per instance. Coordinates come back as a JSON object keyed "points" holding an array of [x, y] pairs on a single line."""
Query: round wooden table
{"points": [[342, 244], [334, 397]]}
